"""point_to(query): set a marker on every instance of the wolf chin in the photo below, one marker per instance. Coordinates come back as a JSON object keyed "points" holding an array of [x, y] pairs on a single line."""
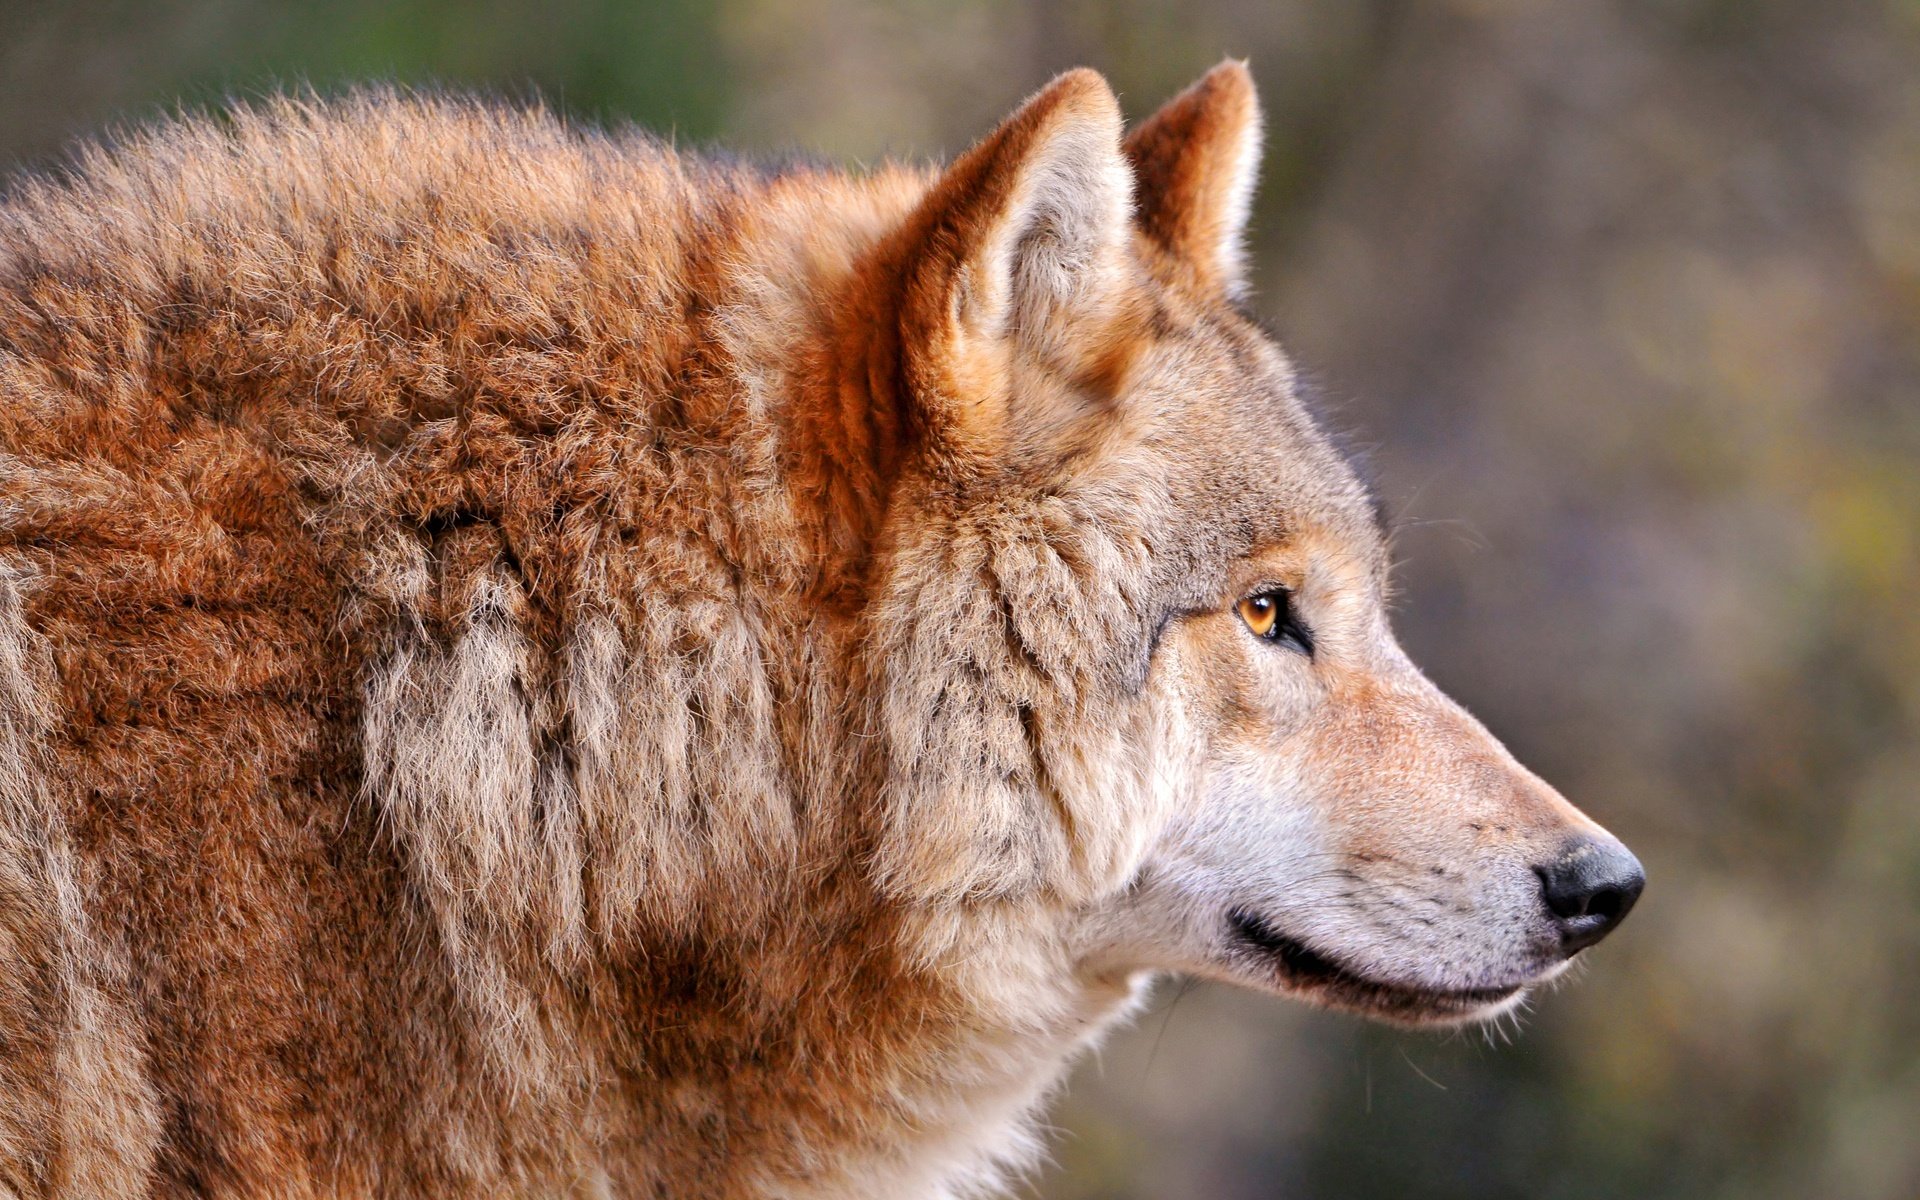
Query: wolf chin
{"points": [[533, 663]]}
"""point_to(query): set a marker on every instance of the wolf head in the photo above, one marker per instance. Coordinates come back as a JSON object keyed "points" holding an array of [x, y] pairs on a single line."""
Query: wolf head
{"points": [[1128, 636]]}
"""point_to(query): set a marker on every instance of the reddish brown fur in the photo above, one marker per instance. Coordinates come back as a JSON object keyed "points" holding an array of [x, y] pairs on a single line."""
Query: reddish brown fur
{"points": [[238, 365]]}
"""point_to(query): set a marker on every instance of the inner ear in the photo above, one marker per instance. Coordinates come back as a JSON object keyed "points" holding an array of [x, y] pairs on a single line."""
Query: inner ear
{"points": [[1019, 254], [1197, 161]]}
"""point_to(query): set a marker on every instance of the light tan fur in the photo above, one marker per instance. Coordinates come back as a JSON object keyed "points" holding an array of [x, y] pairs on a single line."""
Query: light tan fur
{"points": [[532, 663]]}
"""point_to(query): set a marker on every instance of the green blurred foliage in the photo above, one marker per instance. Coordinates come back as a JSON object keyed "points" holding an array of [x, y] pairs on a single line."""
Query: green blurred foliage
{"points": [[1627, 295], [69, 65]]}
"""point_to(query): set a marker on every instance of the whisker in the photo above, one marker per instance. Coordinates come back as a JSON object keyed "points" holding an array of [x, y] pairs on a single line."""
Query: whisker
{"points": [[1417, 1071], [1186, 985]]}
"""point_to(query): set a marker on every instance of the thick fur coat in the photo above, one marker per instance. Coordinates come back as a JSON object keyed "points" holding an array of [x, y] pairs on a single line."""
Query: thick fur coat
{"points": [[533, 663]]}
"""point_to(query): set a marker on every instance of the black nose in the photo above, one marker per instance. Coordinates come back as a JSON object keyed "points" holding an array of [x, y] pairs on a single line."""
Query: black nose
{"points": [[1589, 889]]}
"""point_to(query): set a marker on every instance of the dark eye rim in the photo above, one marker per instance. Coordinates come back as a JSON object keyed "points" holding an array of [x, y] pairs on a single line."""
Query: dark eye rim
{"points": [[1288, 629]]}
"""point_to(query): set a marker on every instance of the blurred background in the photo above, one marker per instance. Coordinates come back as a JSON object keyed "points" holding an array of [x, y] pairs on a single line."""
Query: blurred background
{"points": [[1625, 296]]}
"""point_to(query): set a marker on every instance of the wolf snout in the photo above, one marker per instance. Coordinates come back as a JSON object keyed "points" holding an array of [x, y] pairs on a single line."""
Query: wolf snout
{"points": [[1590, 888]]}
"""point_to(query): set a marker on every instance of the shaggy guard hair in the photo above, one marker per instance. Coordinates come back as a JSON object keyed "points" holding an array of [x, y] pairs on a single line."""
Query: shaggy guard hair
{"points": [[444, 616], [532, 663]]}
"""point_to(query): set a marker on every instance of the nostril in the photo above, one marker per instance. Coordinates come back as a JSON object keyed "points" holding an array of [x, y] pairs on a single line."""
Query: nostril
{"points": [[1607, 903]]}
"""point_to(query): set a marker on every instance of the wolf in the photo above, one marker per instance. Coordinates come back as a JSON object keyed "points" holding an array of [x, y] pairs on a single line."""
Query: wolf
{"points": [[535, 663]]}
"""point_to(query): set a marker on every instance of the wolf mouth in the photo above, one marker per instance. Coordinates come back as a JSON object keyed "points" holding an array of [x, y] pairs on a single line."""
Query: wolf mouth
{"points": [[1303, 966]]}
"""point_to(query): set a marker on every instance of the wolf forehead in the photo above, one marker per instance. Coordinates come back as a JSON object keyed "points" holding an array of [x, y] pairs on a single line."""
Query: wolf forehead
{"points": [[1237, 435]]}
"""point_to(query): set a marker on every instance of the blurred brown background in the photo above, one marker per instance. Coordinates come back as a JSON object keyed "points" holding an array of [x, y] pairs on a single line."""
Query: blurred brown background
{"points": [[1626, 293]]}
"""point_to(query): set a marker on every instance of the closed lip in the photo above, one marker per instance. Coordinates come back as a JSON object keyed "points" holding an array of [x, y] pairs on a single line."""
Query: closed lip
{"points": [[1305, 968]]}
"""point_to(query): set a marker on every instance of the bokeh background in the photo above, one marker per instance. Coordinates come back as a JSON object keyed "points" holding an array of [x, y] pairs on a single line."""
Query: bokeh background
{"points": [[1625, 295]]}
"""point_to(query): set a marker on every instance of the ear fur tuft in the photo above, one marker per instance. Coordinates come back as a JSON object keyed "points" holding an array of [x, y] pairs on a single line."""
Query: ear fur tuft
{"points": [[1197, 161]]}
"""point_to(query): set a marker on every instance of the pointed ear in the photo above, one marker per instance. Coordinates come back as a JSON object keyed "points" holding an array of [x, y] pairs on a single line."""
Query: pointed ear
{"points": [[1017, 247], [1197, 161]]}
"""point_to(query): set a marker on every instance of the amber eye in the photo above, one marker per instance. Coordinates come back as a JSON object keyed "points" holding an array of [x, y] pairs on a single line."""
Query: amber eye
{"points": [[1262, 612], [1271, 618]]}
